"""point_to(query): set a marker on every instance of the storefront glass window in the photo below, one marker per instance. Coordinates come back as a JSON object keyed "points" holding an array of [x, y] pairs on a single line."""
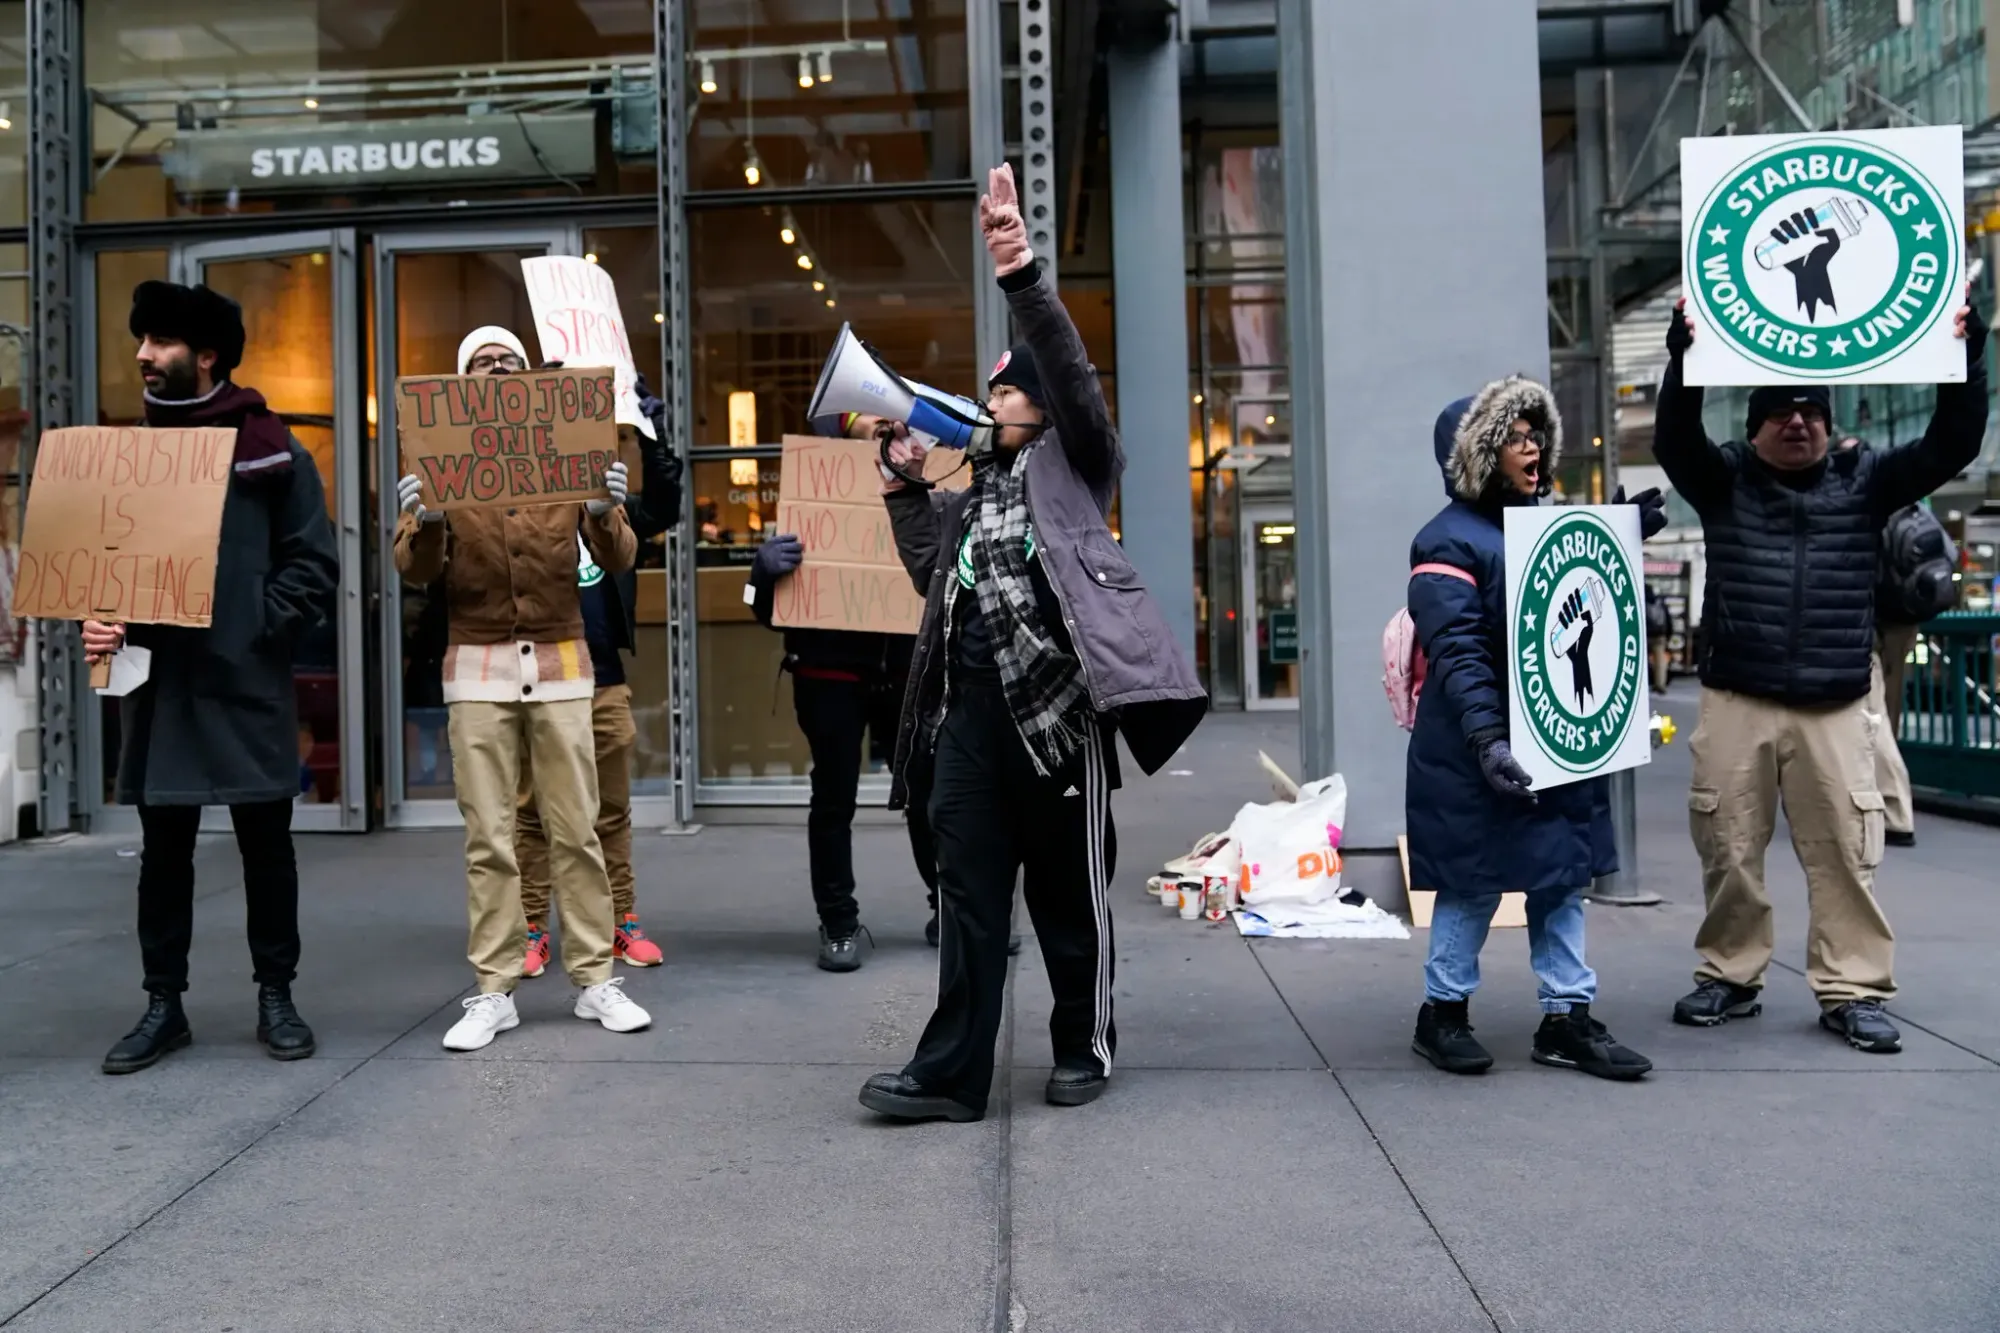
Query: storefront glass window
{"points": [[903, 274], [826, 93], [263, 106], [13, 116]]}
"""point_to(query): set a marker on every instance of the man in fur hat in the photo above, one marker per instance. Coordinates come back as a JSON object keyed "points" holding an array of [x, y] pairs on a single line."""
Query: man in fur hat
{"points": [[216, 722]]}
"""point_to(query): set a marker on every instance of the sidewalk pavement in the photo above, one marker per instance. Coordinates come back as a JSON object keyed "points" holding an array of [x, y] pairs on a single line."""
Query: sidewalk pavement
{"points": [[1271, 1156]]}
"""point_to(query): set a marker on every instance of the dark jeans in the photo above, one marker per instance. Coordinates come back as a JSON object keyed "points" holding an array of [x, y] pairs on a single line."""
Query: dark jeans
{"points": [[166, 891], [996, 818]]}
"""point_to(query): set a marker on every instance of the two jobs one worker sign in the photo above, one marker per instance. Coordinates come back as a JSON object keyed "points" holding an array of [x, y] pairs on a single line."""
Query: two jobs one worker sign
{"points": [[1825, 258]]}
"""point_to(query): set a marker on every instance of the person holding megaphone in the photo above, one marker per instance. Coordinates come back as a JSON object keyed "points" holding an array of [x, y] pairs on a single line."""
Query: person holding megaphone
{"points": [[1037, 640]]}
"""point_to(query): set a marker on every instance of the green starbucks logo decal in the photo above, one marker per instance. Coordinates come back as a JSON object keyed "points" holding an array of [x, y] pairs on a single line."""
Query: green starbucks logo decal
{"points": [[1579, 632], [1822, 257]]}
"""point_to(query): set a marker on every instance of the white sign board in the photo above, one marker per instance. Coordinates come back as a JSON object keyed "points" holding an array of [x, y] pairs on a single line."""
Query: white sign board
{"points": [[1833, 257], [1578, 700], [579, 323]]}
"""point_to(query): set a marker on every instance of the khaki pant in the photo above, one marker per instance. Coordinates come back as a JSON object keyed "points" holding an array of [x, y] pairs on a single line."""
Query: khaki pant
{"points": [[489, 744], [1892, 776], [613, 738], [1749, 754]]}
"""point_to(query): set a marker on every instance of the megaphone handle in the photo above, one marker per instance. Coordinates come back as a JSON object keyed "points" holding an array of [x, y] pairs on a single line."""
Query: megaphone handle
{"points": [[884, 433]]}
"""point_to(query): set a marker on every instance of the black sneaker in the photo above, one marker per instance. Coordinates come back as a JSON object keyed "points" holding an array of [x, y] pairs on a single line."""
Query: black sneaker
{"points": [[1444, 1037], [283, 1034], [1900, 837], [843, 953], [164, 1028], [1074, 1086], [1714, 1002], [1864, 1025], [1575, 1040], [901, 1097]]}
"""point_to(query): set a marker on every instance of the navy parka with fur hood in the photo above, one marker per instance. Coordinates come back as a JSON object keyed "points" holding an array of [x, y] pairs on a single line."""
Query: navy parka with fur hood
{"points": [[1466, 838]]}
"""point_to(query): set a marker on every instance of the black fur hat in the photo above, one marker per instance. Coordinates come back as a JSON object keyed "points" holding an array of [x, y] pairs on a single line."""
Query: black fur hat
{"points": [[203, 319]]}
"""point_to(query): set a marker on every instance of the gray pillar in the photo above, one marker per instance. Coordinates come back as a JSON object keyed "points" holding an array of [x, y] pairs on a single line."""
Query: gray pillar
{"points": [[1149, 275], [1415, 273]]}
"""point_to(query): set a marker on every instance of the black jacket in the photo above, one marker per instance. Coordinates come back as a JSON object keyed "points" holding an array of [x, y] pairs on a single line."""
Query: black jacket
{"points": [[868, 656], [216, 722], [656, 508], [1789, 610]]}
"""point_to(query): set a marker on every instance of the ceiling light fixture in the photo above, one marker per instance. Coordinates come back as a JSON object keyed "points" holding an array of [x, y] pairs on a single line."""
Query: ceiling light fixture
{"points": [[805, 261], [708, 76], [753, 170], [312, 104], [590, 258], [818, 286], [805, 70], [787, 235], [826, 67]]}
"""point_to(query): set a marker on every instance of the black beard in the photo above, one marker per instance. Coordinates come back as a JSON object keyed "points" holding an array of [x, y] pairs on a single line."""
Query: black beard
{"points": [[177, 381]]}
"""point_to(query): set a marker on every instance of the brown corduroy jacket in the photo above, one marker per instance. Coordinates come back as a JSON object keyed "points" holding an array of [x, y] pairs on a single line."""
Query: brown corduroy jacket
{"points": [[510, 574]]}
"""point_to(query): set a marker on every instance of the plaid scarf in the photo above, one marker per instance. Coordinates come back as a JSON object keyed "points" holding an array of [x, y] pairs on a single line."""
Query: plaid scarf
{"points": [[1043, 684]]}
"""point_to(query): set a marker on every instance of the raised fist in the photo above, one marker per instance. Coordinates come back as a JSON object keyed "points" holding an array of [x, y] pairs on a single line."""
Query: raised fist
{"points": [[1576, 624], [1807, 243]]}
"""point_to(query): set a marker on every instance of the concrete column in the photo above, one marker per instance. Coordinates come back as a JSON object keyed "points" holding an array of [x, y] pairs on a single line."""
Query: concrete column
{"points": [[1148, 270], [1415, 273]]}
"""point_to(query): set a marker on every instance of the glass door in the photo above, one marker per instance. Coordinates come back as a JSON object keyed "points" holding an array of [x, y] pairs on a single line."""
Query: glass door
{"points": [[1271, 591], [302, 351], [431, 289]]}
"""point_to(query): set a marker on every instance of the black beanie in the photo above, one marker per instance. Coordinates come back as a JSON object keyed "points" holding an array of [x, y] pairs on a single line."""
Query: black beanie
{"points": [[1774, 398], [1017, 368], [206, 320]]}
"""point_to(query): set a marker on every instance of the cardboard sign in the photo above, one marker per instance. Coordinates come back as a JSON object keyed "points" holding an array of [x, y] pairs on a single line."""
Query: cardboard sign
{"points": [[123, 524], [830, 497], [1578, 701], [543, 437], [1833, 257], [579, 323]]}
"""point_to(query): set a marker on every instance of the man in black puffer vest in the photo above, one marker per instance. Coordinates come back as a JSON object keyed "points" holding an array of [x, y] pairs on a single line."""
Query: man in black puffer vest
{"points": [[1794, 540]]}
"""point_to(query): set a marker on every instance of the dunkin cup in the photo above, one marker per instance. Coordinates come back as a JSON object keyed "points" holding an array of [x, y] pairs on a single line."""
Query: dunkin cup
{"points": [[1191, 896]]}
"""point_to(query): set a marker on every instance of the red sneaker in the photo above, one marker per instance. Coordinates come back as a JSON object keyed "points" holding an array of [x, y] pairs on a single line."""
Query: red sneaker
{"points": [[538, 952], [629, 944]]}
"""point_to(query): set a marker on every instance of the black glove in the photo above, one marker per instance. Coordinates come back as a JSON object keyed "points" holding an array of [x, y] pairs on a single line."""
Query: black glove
{"points": [[1503, 775], [1652, 510], [550, 365], [1680, 330], [1975, 338], [778, 555], [650, 407]]}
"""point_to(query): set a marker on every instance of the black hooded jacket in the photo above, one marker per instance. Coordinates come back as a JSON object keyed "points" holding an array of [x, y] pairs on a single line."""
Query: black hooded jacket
{"points": [[1793, 559]]}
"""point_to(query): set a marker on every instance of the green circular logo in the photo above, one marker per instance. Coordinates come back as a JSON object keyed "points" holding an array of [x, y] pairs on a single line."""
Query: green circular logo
{"points": [[1822, 257], [1578, 650]]}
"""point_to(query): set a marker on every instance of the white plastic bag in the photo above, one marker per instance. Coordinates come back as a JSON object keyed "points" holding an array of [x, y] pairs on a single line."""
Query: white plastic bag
{"points": [[1291, 850]]}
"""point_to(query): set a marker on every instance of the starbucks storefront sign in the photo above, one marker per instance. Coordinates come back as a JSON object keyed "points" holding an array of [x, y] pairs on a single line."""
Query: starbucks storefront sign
{"points": [[373, 154], [1834, 258], [1578, 700]]}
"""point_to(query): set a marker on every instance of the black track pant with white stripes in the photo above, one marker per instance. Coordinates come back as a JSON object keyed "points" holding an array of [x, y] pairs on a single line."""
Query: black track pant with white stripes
{"points": [[993, 817]]}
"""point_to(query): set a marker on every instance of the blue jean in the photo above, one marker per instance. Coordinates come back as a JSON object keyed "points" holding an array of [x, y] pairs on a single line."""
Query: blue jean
{"points": [[1555, 947]]}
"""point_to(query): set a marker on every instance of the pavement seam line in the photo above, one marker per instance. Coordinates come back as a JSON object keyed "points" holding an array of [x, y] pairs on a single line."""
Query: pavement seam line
{"points": [[108, 936], [1928, 1032], [226, 1162], [1003, 1180], [1376, 1139]]}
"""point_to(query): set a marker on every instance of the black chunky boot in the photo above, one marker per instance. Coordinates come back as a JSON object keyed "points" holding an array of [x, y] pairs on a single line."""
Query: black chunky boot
{"points": [[1444, 1037], [283, 1033], [1575, 1040], [164, 1028]]}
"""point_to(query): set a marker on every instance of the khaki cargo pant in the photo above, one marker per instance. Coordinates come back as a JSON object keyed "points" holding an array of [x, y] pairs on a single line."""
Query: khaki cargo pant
{"points": [[1749, 754], [490, 744], [1892, 776], [613, 738]]}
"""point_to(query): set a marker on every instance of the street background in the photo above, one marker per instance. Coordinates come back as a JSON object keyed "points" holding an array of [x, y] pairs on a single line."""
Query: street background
{"points": [[1270, 1155]]}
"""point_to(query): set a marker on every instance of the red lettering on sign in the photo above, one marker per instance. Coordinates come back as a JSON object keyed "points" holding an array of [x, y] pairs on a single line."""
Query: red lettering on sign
{"points": [[521, 476], [486, 441], [514, 400], [448, 475], [422, 396]]}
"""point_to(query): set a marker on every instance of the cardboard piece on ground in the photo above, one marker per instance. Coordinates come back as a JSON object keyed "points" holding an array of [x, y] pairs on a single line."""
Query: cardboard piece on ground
{"points": [[542, 437], [830, 496], [1512, 911], [579, 323], [123, 524]]}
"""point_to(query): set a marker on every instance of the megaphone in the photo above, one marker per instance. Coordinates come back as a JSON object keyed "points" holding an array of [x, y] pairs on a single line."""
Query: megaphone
{"points": [[856, 380]]}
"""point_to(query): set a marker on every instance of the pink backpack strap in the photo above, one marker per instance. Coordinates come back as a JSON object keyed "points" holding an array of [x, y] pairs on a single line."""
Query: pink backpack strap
{"points": [[1449, 571]]}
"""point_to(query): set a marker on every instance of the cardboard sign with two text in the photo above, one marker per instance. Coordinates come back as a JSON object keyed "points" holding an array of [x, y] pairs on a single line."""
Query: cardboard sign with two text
{"points": [[830, 497], [123, 524], [542, 437]]}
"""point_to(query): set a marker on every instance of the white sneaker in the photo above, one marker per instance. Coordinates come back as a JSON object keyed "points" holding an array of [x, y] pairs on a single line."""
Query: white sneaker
{"points": [[610, 1005], [485, 1015]]}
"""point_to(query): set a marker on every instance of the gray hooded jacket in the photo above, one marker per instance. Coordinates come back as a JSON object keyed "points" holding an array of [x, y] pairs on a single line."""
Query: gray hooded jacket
{"points": [[1135, 671]]}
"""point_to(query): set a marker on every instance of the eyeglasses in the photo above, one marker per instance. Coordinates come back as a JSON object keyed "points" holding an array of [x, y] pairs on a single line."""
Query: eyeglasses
{"points": [[1783, 416], [1519, 442], [486, 365]]}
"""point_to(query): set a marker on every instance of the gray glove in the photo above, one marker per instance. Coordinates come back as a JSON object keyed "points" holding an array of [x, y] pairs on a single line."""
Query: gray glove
{"points": [[1496, 761], [614, 481], [409, 498]]}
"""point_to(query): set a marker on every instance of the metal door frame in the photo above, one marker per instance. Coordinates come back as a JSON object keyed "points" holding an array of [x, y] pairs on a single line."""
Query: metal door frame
{"points": [[427, 812], [1252, 598]]}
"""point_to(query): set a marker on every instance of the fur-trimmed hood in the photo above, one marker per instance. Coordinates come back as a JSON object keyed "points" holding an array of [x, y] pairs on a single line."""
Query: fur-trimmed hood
{"points": [[1470, 433]]}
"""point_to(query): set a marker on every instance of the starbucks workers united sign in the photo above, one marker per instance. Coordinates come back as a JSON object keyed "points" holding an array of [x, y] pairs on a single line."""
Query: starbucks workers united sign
{"points": [[1832, 257]]}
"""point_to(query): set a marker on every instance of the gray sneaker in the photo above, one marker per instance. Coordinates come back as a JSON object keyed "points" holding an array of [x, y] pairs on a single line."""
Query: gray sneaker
{"points": [[844, 953]]}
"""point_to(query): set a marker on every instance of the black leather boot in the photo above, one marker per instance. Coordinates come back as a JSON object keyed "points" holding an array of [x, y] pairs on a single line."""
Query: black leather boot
{"points": [[1444, 1037], [1073, 1085], [283, 1033], [163, 1029]]}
